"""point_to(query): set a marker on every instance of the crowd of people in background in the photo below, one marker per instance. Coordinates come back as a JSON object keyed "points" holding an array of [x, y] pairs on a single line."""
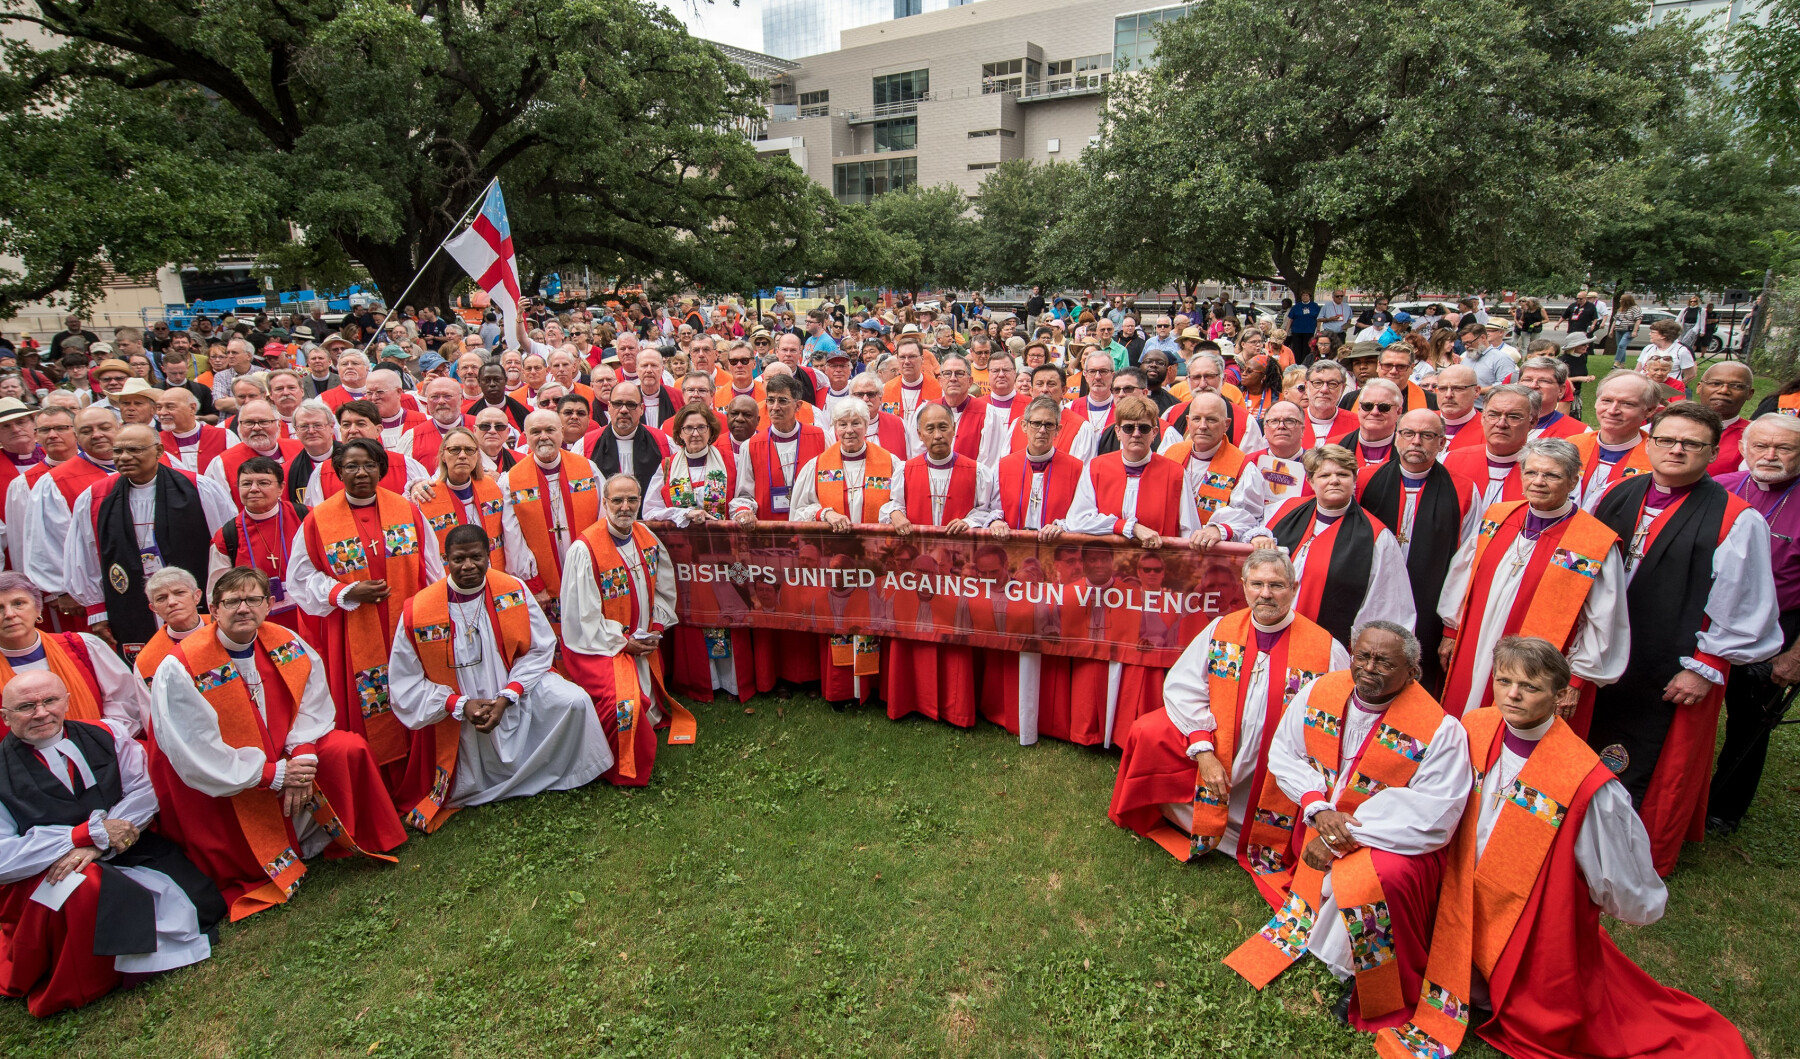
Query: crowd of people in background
{"points": [[319, 582]]}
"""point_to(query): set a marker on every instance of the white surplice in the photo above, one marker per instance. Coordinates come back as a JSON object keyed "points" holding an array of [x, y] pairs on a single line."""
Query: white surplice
{"points": [[588, 631], [124, 701], [187, 733], [1602, 641], [549, 739], [1187, 696], [179, 940], [1412, 820], [1389, 597], [1242, 514], [83, 577]]}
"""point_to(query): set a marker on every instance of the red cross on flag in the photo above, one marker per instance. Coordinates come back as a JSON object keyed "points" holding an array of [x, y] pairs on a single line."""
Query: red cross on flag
{"points": [[485, 251]]}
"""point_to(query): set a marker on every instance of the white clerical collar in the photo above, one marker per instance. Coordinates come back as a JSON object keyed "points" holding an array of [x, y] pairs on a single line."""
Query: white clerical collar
{"points": [[1730, 421], [1329, 512], [1636, 437], [1299, 451], [453, 424], [1381, 443], [913, 385], [138, 487], [270, 451], [355, 502], [37, 646], [1459, 422], [183, 634], [187, 435], [232, 645], [1004, 402], [1203, 457], [1552, 516], [547, 468], [1139, 463], [848, 455], [1536, 731], [1514, 458], [1286, 620], [49, 746], [326, 455], [399, 418], [1322, 422], [949, 461], [1769, 487], [271, 513], [787, 435]]}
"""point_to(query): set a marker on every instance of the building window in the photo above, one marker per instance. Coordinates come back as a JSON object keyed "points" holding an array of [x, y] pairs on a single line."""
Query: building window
{"points": [[976, 134], [857, 182], [900, 93], [815, 104], [1134, 40], [975, 166], [1005, 76], [898, 134], [904, 8]]}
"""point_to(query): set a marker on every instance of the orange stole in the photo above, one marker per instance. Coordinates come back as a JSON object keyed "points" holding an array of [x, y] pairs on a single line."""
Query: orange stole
{"points": [[367, 632], [443, 513], [426, 619], [84, 697], [1395, 746], [1553, 605], [1222, 476], [617, 604], [929, 391], [258, 811], [1304, 654], [581, 506], [1636, 462], [861, 653], [1480, 903], [159, 647], [878, 482]]}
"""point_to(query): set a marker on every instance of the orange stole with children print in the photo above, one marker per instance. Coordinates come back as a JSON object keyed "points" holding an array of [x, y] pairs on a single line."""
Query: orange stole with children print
{"points": [[619, 604], [1390, 756], [878, 482], [426, 619], [1302, 654], [368, 630], [444, 512], [1222, 475], [258, 810], [527, 488]]}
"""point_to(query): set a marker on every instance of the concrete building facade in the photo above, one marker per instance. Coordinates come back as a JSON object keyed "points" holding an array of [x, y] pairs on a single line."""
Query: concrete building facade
{"points": [[946, 96]]}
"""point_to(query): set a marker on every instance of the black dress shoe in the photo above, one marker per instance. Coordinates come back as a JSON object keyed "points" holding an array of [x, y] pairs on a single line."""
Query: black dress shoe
{"points": [[1718, 825], [1341, 1009]]}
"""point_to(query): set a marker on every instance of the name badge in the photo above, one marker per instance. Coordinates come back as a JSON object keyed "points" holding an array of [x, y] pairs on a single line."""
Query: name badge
{"points": [[778, 497]]}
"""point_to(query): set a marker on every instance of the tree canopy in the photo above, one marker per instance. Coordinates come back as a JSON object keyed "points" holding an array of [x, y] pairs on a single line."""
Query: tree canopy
{"points": [[1446, 141], [370, 127]]}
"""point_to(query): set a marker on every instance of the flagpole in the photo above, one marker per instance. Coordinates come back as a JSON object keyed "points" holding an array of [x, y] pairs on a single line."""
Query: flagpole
{"points": [[381, 328]]}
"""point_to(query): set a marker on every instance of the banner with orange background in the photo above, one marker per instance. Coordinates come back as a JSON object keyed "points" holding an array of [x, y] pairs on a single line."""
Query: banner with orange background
{"points": [[1079, 596]]}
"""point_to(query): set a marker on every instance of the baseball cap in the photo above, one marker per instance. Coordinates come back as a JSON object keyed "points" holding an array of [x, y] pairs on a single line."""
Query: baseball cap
{"points": [[99, 349], [836, 354], [1403, 317], [430, 362]]}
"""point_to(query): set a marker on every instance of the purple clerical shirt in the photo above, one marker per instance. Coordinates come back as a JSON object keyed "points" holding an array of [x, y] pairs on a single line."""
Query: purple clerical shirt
{"points": [[1779, 504]]}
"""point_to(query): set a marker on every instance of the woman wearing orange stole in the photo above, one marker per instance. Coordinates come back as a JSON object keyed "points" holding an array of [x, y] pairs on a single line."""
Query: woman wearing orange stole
{"points": [[357, 558], [1548, 841], [1380, 775], [849, 483], [465, 495], [101, 688], [260, 777]]}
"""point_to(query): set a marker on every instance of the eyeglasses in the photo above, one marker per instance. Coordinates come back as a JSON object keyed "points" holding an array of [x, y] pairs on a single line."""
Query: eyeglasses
{"points": [[1281, 421], [1420, 435], [1136, 429], [1041, 424], [1376, 406], [1333, 384], [1684, 444], [491, 428], [239, 602], [45, 705], [1514, 418], [623, 405], [953, 373]]}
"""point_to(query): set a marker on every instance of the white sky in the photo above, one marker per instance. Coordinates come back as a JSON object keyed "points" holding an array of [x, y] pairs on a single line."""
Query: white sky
{"points": [[721, 20]]}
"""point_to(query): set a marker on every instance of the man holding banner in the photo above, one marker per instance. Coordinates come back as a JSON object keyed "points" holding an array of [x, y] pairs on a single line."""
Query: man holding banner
{"points": [[618, 595], [940, 487]]}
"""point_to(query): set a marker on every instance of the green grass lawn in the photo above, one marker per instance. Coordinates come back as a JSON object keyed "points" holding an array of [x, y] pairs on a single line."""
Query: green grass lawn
{"points": [[809, 883]]}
